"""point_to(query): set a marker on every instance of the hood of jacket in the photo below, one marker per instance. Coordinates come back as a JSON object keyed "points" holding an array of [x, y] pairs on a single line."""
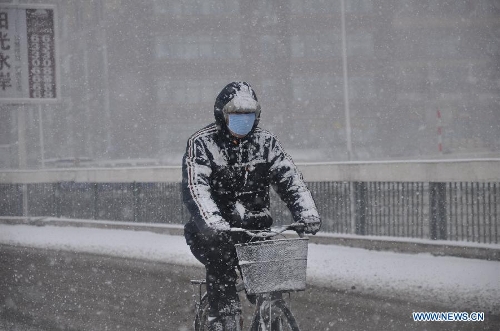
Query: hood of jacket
{"points": [[236, 97]]}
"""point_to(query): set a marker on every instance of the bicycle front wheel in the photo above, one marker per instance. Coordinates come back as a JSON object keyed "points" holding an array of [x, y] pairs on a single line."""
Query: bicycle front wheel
{"points": [[282, 319]]}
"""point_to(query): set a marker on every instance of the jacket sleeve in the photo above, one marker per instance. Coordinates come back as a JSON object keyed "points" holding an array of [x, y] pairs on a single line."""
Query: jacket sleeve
{"points": [[196, 190], [289, 184]]}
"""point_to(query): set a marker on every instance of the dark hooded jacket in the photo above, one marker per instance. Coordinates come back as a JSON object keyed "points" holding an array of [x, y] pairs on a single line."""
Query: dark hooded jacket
{"points": [[226, 180]]}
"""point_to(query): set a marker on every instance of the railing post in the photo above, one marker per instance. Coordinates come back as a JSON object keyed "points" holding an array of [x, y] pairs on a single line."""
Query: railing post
{"points": [[95, 212], [19, 195], [360, 198], [183, 214], [136, 200], [437, 212], [56, 194], [25, 212]]}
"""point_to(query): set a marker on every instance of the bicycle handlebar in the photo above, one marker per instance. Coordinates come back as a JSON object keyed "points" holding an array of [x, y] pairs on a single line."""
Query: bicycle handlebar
{"points": [[297, 227]]}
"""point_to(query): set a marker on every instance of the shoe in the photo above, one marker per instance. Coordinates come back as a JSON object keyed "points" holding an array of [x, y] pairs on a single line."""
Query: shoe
{"points": [[231, 323], [215, 324]]}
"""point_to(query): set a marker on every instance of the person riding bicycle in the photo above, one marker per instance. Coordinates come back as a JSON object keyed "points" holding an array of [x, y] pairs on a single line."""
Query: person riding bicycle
{"points": [[227, 171]]}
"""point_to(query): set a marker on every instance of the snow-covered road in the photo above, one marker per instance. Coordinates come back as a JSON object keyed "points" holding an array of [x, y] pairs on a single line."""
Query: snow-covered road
{"points": [[454, 283]]}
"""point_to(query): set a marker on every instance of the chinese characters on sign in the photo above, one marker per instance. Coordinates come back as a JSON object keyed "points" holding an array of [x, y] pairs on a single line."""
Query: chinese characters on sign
{"points": [[27, 54], [5, 81], [41, 60]]}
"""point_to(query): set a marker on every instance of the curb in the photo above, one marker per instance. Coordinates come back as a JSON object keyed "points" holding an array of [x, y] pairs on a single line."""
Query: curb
{"points": [[170, 229], [490, 252], [442, 248]]}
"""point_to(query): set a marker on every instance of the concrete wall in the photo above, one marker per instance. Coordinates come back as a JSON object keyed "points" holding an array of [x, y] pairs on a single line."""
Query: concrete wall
{"points": [[479, 170]]}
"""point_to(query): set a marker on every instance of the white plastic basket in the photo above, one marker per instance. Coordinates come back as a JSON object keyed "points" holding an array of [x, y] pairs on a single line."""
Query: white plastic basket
{"points": [[273, 265]]}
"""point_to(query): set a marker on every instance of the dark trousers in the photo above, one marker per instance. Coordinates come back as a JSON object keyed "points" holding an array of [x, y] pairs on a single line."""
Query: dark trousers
{"points": [[217, 252]]}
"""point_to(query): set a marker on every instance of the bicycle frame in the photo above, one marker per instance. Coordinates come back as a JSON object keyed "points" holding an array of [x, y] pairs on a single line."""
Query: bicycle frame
{"points": [[263, 309], [271, 309]]}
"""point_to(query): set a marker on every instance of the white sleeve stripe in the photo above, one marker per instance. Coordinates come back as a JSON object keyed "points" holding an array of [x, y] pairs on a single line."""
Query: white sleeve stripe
{"points": [[192, 188], [194, 193], [307, 192], [191, 171], [197, 135]]}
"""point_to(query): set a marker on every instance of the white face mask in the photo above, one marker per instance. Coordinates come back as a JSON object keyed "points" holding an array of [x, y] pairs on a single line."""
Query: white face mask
{"points": [[241, 124]]}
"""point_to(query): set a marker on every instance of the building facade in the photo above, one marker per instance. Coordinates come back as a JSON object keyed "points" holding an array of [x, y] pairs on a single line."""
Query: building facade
{"points": [[139, 77]]}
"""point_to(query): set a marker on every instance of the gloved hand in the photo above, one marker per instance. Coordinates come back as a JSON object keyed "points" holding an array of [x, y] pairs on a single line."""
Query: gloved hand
{"points": [[218, 232], [312, 224], [219, 225]]}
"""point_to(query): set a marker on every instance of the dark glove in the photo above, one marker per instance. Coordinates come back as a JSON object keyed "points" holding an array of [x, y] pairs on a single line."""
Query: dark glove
{"points": [[312, 224], [218, 231], [217, 237], [219, 225]]}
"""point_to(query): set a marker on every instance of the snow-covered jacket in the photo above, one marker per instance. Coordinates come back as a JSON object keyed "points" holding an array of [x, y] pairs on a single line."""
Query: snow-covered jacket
{"points": [[226, 180]]}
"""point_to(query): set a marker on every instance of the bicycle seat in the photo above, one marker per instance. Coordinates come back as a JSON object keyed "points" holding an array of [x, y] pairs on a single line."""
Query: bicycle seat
{"points": [[198, 281]]}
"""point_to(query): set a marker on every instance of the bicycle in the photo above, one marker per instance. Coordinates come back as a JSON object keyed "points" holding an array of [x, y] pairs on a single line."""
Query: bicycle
{"points": [[270, 269]]}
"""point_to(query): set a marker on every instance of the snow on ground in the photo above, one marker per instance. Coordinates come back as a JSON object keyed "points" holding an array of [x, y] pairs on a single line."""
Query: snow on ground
{"points": [[455, 283]]}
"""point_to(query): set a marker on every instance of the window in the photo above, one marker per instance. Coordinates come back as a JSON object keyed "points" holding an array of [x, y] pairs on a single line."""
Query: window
{"points": [[360, 43], [317, 87], [324, 44], [188, 91], [361, 6], [443, 45], [198, 47], [196, 7], [405, 7], [450, 78], [451, 7], [329, 6], [267, 12], [269, 46], [448, 7], [412, 79], [487, 8], [315, 7], [361, 87], [268, 91], [327, 44]]}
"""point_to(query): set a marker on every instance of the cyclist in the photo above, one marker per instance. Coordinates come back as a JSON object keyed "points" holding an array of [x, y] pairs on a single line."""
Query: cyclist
{"points": [[227, 170]]}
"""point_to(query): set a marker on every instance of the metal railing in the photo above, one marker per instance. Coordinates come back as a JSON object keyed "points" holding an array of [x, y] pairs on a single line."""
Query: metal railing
{"points": [[133, 202], [431, 205]]}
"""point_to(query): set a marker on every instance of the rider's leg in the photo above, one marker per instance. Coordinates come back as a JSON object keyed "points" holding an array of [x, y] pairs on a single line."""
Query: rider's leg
{"points": [[219, 256]]}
